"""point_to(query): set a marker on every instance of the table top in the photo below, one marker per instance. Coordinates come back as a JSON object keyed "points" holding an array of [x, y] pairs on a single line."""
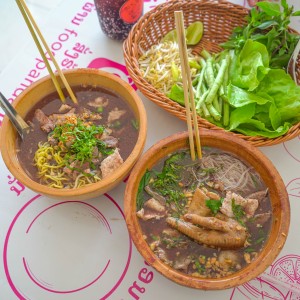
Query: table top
{"points": [[60, 249]]}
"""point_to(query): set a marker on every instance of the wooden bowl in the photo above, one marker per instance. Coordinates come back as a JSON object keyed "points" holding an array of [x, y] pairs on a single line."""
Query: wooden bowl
{"points": [[43, 87], [249, 154]]}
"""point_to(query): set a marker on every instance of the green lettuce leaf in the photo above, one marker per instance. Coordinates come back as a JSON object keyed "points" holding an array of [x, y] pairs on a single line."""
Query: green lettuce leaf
{"points": [[238, 97], [285, 94], [264, 102], [250, 66]]}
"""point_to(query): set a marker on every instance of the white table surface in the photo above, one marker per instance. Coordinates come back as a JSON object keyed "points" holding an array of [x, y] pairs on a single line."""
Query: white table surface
{"points": [[61, 250]]}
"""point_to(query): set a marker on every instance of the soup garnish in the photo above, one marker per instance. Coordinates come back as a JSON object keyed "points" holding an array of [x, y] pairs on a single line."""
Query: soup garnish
{"points": [[209, 217], [71, 145]]}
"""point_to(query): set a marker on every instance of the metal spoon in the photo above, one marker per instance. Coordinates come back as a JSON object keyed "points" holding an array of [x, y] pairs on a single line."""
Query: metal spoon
{"points": [[291, 67], [21, 126]]}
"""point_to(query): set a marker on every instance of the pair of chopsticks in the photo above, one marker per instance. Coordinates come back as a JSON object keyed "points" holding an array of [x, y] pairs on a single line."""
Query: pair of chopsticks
{"points": [[36, 35], [187, 87]]}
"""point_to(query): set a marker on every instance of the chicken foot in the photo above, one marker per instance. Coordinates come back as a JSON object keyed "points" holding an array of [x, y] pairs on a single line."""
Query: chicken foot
{"points": [[213, 232]]}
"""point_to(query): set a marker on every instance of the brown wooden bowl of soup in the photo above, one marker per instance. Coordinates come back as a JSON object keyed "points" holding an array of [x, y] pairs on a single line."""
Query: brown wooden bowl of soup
{"points": [[76, 151], [210, 224]]}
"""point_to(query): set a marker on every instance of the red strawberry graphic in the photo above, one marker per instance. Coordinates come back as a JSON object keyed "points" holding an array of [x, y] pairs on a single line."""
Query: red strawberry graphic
{"points": [[131, 11]]}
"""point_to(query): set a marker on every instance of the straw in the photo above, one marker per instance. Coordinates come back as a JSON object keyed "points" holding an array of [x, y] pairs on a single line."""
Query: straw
{"points": [[34, 30], [187, 87]]}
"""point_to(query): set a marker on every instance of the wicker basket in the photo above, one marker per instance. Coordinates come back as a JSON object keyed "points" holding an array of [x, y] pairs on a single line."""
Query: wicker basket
{"points": [[219, 18]]}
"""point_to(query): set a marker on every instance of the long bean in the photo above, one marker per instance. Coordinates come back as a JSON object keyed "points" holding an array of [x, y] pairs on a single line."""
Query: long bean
{"points": [[214, 113], [201, 100], [218, 81], [200, 83], [226, 108]]}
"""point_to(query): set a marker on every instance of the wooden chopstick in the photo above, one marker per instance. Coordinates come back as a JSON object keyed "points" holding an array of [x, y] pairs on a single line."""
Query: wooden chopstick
{"points": [[53, 77], [34, 30], [187, 87]]}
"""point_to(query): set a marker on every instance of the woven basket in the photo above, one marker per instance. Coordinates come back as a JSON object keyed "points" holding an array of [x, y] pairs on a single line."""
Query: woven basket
{"points": [[219, 18]]}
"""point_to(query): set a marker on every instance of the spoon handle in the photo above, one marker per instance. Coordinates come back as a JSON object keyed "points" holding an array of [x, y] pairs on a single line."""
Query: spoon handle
{"points": [[14, 117]]}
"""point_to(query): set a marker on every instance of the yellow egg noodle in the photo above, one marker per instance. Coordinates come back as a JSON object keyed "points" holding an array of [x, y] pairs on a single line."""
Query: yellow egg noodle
{"points": [[50, 164]]}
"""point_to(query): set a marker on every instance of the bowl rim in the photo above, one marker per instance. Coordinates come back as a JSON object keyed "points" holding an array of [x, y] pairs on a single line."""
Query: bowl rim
{"points": [[107, 183], [264, 259]]}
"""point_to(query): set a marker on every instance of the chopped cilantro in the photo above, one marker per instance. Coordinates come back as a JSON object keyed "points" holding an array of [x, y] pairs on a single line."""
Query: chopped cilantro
{"points": [[214, 205], [82, 140], [200, 268]]}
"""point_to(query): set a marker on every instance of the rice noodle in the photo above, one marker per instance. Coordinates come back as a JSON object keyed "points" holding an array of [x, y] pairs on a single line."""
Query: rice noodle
{"points": [[232, 172]]}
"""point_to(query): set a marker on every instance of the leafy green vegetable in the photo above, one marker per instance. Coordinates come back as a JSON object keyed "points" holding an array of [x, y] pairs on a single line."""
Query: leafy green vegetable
{"points": [[250, 65], [167, 181], [267, 111], [256, 100], [214, 205], [285, 93], [238, 212], [269, 26], [144, 182], [240, 89]]}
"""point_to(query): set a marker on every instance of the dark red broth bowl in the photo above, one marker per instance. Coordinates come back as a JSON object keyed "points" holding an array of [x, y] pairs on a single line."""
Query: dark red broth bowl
{"points": [[277, 195], [37, 93]]}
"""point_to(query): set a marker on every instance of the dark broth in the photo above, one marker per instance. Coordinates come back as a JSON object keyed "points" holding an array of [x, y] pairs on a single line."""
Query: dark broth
{"points": [[126, 130], [176, 178]]}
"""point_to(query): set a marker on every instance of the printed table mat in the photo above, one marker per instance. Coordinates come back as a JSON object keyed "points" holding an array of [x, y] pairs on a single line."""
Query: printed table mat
{"points": [[77, 250]]}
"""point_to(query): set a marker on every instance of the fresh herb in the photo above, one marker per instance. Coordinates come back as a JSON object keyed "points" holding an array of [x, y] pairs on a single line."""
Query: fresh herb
{"points": [[100, 109], [82, 140], [167, 181], [243, 88], [117, 124], [154, 237], [261, 237], [102, 147], [268, 25], [238, 212], [249, 250], [214, 205], [209, 170], [144, 182], [260, 240], [173, 242], [200, 268], [135, 124]]}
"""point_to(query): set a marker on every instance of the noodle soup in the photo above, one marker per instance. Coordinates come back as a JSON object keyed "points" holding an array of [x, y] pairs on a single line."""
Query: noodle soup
{"points": [[207, 218], [70, 145]]}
